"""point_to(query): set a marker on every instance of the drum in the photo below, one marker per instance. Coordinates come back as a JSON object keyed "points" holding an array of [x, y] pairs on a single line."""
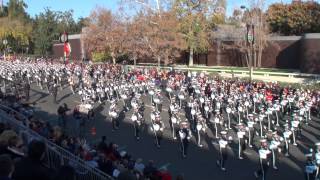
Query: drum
{"points": [[295, 124], [151, 92], [287, 134], [134, 117], [181, 96], [202, 100], [246, 103], [213, 96], [153, 116], [240, 108], [113, 114], [199, 127], [124, 96], [240, 134], [156, 127], [263, 153], [83, 109], [88, 106], [169, 90], [174, 120], [157, 101], [250, 124], [218, 105]]}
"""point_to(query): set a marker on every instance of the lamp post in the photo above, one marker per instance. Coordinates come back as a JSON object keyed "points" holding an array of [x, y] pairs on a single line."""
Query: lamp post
{"points": [[250, 41], [5, 42]]}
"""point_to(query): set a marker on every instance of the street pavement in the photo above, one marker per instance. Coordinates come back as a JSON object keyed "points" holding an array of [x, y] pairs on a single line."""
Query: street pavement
{"points": [[200, 163]]}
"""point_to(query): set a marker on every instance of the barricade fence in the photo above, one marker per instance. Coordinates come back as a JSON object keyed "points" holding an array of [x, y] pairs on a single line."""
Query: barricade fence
{"points": [[229, 71], [56, 156]]}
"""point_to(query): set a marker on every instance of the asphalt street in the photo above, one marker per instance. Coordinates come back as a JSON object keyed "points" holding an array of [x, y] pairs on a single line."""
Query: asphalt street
{"points": [[200, 163]]}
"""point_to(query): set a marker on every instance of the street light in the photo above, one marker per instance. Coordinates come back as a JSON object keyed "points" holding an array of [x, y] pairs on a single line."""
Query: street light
{"points": [[250, 41], [5, 42]]}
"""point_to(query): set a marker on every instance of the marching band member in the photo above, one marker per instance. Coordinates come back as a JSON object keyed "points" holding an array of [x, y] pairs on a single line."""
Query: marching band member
{"points": [[250, 129], [174, 118], [317, 158], [185, 135], [223, 151], [137, 119], [310, 166], [294, 128], [114, 114], [275, 142], [264, 158], [157, 100], [201, 127], [241, 140], [157, 126], [286, 134]]}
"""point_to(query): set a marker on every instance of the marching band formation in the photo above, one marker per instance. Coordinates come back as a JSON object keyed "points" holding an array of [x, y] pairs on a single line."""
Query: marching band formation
{"points": [[236, 112]]}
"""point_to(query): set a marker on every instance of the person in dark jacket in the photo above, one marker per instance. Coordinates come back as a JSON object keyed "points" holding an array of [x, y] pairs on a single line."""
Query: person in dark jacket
{"points": [[66, 173], [31, 167], [6, 167], [27, 91]]}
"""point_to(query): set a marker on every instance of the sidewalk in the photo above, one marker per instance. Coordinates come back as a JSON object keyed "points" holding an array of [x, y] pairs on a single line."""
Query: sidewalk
{"points": [[269, 78]]}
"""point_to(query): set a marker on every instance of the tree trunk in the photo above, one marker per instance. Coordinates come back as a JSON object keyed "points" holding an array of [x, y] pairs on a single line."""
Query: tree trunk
{"points": [[219, 53], [134, 61], [191, 57], [255, 59], [113, 58], [247, 56], [259, 57], [159, 61], [166, 60]]}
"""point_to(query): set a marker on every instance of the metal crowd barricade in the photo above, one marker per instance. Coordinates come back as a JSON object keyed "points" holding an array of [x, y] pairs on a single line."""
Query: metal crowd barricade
{"points": [[56, 156]]}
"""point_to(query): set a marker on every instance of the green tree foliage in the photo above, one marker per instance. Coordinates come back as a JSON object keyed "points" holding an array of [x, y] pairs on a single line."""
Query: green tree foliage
{"points": [[294, 19], [44, 31], [15, 26], [100, 56], [196, 23], [16, 10], [49, 25], [36, 34]]}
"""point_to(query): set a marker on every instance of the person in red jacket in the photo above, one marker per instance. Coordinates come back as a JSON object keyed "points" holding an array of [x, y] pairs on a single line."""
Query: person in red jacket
{"points": [[164, 174]]}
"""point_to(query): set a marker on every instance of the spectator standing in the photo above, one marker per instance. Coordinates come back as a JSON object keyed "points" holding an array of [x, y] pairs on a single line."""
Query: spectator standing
{"points": [[31, 167], [66, 173]]}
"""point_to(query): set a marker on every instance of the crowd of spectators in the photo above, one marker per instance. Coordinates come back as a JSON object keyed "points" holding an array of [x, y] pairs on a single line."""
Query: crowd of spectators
{"points": [[27, 156]]}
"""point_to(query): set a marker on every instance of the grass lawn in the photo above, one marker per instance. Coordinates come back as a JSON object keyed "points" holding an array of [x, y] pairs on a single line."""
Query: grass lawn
{"points": [[245, 69], [202, 67]]}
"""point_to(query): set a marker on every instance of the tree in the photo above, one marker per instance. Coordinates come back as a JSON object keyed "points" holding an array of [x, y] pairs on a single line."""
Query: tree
{"points": [[294, 19], [15, 25], [135, 45], [252, 22], [105, 32], [154, 32], [16, 10], [44, 32], [193, 15], [66, 23], [17, 33], [163, 37]]}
